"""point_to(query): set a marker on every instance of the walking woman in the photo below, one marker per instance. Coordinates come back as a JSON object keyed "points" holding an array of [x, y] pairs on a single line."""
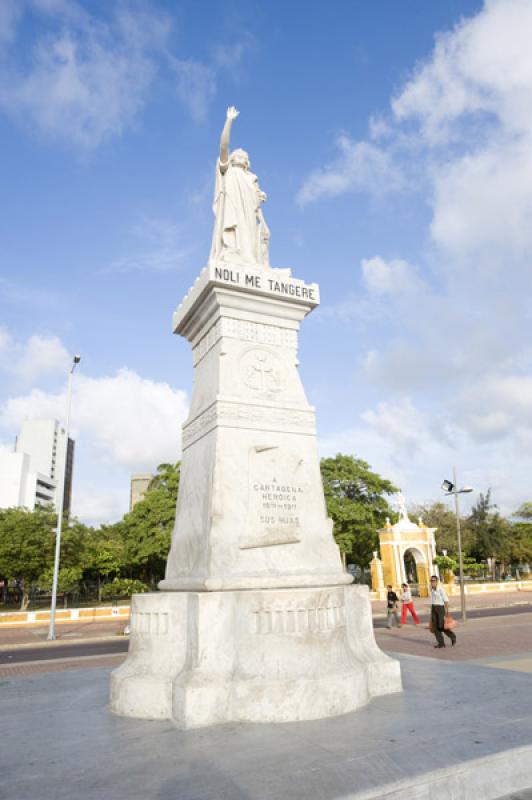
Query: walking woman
{"points": [[406, 599]]}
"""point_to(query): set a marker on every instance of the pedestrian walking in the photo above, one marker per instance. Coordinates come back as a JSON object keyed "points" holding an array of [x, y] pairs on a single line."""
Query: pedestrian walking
{"points": [[438, 613], [408, 605], [393, 614]]}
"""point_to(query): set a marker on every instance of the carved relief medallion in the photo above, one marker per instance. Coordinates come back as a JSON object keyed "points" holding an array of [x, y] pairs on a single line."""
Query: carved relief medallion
{"points": [[262, 372]]}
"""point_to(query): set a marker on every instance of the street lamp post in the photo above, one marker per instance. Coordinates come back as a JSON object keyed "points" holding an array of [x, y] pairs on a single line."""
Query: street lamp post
{"points": [[451, 488], [60, 503]]}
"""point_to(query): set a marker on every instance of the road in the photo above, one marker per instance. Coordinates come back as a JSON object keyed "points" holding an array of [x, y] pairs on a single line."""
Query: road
{"points": [[61, 651], [66, 654]]}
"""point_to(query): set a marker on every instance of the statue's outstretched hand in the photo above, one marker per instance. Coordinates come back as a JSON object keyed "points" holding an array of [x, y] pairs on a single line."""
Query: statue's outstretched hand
{"points": [[232, 113]]}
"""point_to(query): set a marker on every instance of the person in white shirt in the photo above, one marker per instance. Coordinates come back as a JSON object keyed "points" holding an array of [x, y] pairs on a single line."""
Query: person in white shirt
{"points": [[439, 610], [408, 605]]}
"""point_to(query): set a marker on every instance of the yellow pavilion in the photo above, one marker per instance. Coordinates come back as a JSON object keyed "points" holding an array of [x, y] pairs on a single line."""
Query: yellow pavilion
{"points": [[407, 552]]}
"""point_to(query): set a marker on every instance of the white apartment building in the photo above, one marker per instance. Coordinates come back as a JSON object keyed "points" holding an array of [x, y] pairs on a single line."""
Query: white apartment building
{"points": [[32, 474], [20, 487]]}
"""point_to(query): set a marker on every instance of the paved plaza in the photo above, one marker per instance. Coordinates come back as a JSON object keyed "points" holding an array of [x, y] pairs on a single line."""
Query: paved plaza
{"points": [[452, 721], [472, 699]]}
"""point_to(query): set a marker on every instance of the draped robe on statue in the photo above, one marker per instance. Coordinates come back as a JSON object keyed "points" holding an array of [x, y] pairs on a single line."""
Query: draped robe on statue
{"points": [[239, 229]]}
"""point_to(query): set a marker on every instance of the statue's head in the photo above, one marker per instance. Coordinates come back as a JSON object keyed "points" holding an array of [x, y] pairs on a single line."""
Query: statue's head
{"points": [[239, 158]]}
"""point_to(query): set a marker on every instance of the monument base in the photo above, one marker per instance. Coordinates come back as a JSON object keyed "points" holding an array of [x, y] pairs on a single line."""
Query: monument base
{"points": [[268, 655]]}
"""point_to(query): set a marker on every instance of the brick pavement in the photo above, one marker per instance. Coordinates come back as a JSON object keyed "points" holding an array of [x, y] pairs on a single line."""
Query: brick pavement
{"points": [[488, 637], [29, 669], [474, 601], [65, 632]]}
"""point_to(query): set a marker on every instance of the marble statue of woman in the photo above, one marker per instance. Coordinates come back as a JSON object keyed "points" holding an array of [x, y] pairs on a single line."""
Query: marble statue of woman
{"points": [[401, 503], [240, 232]]}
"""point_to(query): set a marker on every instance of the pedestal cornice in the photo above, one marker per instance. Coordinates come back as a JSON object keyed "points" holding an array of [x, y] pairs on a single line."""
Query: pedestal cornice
{"points": [[254, 287]]}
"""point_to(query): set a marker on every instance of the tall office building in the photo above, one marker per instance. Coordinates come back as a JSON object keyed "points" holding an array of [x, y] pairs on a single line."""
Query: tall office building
{"points": [[139, 487], [33, 474]]}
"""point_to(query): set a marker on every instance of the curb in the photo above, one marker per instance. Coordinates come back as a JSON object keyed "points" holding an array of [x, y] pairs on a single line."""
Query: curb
{"points": [[4, 648]]}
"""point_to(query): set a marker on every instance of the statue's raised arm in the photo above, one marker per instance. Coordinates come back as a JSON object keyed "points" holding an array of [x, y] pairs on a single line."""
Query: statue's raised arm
{"points": [[232, 114], [240, 234]]}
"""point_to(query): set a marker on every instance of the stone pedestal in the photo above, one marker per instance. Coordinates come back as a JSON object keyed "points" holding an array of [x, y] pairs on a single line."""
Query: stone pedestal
{"points": [[274, 655], [251, 511], [255, 620]]}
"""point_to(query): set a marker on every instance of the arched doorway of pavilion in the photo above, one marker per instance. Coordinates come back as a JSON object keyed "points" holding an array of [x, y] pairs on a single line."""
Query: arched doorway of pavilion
{"points": [[416, 571]]}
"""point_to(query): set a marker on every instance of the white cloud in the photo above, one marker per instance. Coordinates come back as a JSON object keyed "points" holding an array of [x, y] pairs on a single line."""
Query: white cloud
{"points": [[42, 355], [404, 445], [122, 419], [31, 360], [30, 296], [5, 339], [360, 166], [121, 423], [399, 442], [158, 246], [389, 277], [460, 131], [132, 421], [10, 13], [471, 104], [94, 503], [379, 128], [230, 55], [196, 86], [499, 404], [483, 201], [408, 430], [482, 66], [391, 287], [464, 121], [86, 80]]}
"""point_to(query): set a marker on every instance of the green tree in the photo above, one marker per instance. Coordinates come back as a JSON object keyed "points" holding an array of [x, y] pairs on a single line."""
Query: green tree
{"points": [[75, 544], [439, 515], [356, 502], [123, 587], [447, 566], [68, 580], [521, 535], [524, 512], [146, 531], [491, 537], [27, 541], [105, 555]]}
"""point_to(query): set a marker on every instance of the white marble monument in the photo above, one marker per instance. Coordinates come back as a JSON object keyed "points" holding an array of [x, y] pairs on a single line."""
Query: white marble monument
{"points": [[256, 619]]}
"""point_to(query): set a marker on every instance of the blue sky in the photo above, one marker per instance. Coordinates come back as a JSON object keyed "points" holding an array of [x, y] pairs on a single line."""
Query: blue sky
{"points": [[393, 140]]}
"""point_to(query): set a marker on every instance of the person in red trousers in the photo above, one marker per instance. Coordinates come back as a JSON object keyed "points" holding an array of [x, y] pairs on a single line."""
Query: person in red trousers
{"points": [[406, 599]]}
